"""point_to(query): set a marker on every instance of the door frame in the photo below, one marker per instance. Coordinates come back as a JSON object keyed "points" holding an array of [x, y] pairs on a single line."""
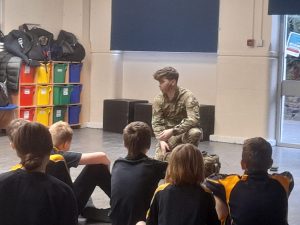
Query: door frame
{"points": [[283, 86]]}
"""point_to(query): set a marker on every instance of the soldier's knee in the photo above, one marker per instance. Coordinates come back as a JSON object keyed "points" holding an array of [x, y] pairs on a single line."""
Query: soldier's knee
{"points": [[195, 133]]}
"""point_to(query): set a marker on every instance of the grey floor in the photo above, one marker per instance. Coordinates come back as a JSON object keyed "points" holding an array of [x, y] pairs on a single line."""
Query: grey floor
{"points": [[89, 140]]}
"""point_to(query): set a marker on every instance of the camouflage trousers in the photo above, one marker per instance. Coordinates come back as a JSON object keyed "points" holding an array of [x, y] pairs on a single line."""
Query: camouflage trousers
{"points": [[192, 136]]}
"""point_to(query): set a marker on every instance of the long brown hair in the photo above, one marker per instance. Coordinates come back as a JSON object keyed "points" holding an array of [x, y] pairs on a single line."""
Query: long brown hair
{"points": [[33, 144], [186, 166]]}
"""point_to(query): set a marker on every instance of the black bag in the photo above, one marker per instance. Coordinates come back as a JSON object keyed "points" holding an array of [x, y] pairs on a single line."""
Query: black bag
{"points": [[19, 43], [212, 163], [41, 41], [4, 100], [56, 51], [72, 50]]}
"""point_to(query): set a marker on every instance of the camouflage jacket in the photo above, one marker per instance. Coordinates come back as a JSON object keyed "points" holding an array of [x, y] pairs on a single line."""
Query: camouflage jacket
{"points": [[181, 114]]}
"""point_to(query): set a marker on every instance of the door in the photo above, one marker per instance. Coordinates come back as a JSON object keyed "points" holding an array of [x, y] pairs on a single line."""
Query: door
{"points": [[288, 132]]}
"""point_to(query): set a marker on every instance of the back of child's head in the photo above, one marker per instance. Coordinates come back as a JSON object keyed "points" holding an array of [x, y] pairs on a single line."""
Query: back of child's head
{"points": [[257, 154], [33, 144], [137, 138], [186, 166], [61, 133], [13, 126]]}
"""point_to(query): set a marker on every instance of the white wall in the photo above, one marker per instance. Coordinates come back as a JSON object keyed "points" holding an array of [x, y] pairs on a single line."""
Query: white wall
{"points": [[49, 14], [247, 76], [106, 67], [197, 72]]}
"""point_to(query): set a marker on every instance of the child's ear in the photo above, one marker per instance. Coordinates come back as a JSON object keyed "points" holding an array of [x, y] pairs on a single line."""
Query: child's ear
{"points": [[66, 146]]}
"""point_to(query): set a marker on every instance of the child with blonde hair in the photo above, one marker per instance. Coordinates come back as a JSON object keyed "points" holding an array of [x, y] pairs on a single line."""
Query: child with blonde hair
{"points": [[95, 173], [182, 199]]}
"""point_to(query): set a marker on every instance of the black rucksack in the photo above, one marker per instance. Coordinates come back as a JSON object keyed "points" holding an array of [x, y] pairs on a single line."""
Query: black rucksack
{"points": [[41, 41], [212, 163], [71, 49], [4, 100]]}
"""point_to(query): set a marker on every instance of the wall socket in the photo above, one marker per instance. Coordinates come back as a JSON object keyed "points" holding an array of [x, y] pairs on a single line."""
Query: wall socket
{"points": [[250, 42]]}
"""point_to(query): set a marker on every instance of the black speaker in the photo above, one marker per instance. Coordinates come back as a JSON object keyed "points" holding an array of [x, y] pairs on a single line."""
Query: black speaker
{"points": [[143, 112], [117, 113], [207, 120]]}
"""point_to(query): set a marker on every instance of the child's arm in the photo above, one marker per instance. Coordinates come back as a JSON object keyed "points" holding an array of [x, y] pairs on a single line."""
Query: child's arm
{"points": [[221, 209], [94, 158]]}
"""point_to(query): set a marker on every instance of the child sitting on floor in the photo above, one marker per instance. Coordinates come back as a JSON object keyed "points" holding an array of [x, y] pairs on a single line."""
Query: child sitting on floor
{"points": [[183, 200], [27, 194], [135, 177], [95, 173], [255, 197]]}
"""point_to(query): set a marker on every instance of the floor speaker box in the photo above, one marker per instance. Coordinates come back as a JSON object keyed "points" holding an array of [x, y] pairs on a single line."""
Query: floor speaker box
{"points": [[207, 120], [117, 113], [143, 112]]}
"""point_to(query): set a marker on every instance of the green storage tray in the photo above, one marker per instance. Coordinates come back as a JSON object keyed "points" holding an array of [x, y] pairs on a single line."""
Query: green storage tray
{"points": [[60, 72], [59, 113], [61, 94]]}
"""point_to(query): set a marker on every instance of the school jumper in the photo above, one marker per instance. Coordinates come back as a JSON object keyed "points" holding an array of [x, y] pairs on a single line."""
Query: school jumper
{"points": [[35, 198], [133, 183], [182, 205], [254, 198]]}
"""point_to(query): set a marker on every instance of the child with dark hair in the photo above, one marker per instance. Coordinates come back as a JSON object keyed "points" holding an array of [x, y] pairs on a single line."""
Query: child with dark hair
{"points": [[183, 200], [256, 197], [135, 177], [27, 194]]}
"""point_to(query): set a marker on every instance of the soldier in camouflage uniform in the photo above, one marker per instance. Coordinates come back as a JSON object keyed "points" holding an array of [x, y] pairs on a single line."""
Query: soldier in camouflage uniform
{"points": [[175, 117]]}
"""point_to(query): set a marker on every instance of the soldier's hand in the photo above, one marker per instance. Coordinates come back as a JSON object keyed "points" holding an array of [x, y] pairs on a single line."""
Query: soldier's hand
{"points": [[164, 146], [165, 135]]}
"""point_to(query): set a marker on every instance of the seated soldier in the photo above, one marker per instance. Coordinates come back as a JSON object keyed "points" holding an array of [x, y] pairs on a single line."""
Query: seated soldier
{"points": [[176, 116], [256, 197]]}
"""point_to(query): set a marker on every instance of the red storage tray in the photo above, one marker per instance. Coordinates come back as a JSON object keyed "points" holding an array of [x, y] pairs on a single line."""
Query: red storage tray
{"points": [[27, 113], [26, 95], [27, 74]]}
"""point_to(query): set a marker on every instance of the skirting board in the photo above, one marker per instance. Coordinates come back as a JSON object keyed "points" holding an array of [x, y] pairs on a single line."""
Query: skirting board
{"points": [[234, 140], [92, 125]]}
